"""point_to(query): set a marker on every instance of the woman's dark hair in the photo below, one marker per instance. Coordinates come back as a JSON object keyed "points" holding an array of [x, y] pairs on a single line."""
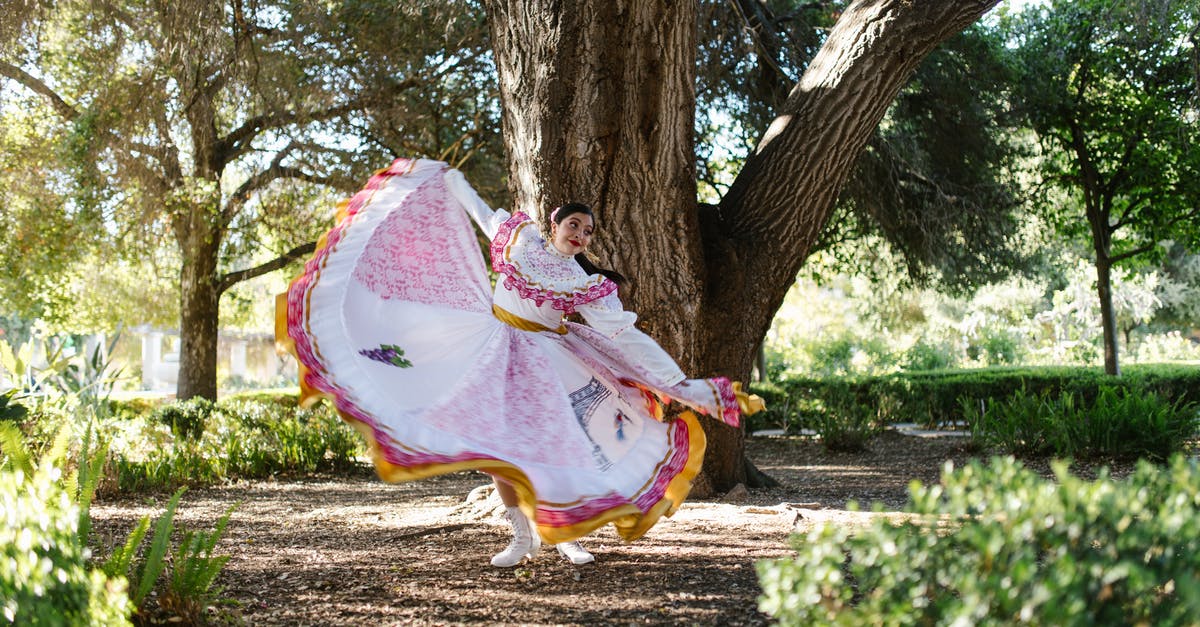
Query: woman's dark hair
{"points": [[560, 214]]}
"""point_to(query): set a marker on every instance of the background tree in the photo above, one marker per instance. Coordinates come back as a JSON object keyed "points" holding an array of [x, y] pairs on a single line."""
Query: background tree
{"points": [[1111, 90], [222, 126], [599, 106]]}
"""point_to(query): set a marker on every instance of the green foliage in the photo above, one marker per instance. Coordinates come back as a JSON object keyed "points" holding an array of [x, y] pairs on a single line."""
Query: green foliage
{"points": [[16, 454], [187, 592], [44, 578], [144, 575], [133, 408], [1109, 88], [83, 485], [997, 545], [10, 410], [92, 381], [194, 568], [1120, 423], [242, 439], [779, 413], [938, 398], [185, 418], [927, 355], [847, 420]]}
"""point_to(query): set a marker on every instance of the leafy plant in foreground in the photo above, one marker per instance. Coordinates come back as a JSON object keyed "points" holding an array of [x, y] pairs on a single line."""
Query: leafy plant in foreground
{"points": [[998, 545]]}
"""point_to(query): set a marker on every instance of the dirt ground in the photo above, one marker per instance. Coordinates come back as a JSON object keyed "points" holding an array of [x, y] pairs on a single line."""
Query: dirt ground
{"points": [[354, 551]]}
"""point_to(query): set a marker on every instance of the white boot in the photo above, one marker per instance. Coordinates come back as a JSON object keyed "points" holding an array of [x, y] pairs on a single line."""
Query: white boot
{"points": [[575, 553], [525, 542]]}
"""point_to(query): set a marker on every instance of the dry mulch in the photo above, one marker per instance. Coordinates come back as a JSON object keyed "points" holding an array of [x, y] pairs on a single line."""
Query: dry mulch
{"points": [[351, 550]]}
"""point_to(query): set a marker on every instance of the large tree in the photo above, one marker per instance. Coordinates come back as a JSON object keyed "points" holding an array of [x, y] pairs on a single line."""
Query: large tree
{"points": [[1111, 90], [219, 125], [599, 103]]}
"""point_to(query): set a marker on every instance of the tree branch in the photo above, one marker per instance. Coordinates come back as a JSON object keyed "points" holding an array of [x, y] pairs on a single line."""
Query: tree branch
{"points": [[238, 141], [1131, 253], [230, 279], [34, 84]]}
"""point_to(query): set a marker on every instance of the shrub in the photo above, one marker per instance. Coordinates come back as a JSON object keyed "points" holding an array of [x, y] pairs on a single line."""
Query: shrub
{"points": [[194, 569], [243, 439], [926, 355], [44, 579], [133, 407], [1118, 423], [935, 399], [10, 409], [1000, 545], [185, 418], [849, 419], [189, 573], [779, 413]]}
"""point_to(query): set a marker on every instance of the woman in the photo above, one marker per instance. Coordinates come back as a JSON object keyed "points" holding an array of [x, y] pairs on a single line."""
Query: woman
{"points": [[395, 321]]}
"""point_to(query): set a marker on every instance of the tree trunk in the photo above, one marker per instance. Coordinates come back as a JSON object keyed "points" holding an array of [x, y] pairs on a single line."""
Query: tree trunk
{"points": [[599, 106], [1108, 317], [199, 309]]}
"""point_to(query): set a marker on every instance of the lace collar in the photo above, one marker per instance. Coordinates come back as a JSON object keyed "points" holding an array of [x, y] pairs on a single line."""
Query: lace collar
{"points": [[536, 270]]}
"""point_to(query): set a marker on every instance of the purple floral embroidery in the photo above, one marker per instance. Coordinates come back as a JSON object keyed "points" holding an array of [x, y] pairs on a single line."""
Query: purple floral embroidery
{"points": [[388, 354]]}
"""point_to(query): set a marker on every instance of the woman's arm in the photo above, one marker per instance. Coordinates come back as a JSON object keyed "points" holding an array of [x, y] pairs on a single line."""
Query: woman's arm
{"points": [[480, 212], [609, 317]]}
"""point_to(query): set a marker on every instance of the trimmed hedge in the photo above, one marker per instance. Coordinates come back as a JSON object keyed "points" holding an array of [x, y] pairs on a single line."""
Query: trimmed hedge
{"points": [[936, 398]]}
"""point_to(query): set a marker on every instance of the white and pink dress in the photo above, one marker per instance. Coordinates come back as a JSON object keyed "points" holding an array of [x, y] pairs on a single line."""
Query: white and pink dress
{"points": [[396, 322]]}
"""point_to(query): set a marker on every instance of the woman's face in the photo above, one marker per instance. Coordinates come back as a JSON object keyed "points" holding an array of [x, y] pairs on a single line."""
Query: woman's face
{"points": [[572, 235]]}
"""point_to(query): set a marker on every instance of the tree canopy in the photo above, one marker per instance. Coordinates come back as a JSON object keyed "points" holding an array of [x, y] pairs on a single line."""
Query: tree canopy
{"points": [[225, 129], [1111, 91]]}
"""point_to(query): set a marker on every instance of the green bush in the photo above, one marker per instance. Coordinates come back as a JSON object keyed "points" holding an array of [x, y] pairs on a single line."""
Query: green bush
{"points": [[134, 407], [926, 355], [1118, 423], [44, 578], [194, 569], [935, 398], [848, 419], [779, 413], [185, 418], [243, 439], [999, 545], [10, 409]]}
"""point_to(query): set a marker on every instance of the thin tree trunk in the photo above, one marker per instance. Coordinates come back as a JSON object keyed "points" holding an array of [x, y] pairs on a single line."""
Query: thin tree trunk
{"points": [[1108, 318]]}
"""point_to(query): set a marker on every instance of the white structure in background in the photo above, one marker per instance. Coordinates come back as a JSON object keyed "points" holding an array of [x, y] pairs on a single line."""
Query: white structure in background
{"points": [[160, 371], [244, 358]]}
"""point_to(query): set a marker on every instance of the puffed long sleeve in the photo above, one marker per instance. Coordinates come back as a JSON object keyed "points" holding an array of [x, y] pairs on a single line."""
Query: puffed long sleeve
{"points": [[483, 215], [609, 317]]}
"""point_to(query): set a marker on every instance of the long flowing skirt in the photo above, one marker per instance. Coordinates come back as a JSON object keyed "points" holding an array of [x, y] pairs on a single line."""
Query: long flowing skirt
{"points": [[392, 321]]}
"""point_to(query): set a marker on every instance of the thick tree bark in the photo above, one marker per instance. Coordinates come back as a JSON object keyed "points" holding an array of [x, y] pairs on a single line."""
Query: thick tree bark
{"points": [[599, 104]]}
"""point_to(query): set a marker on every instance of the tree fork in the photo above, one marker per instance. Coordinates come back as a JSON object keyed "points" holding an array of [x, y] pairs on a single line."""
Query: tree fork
{"points": [[598, 106]]}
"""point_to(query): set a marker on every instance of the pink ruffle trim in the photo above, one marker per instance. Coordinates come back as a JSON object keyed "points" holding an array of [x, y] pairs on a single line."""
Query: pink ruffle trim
{"points": [[731, 412]]}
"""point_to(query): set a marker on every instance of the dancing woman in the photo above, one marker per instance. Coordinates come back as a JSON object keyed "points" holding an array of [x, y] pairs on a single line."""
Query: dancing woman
{"points": [[396, 322]]}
